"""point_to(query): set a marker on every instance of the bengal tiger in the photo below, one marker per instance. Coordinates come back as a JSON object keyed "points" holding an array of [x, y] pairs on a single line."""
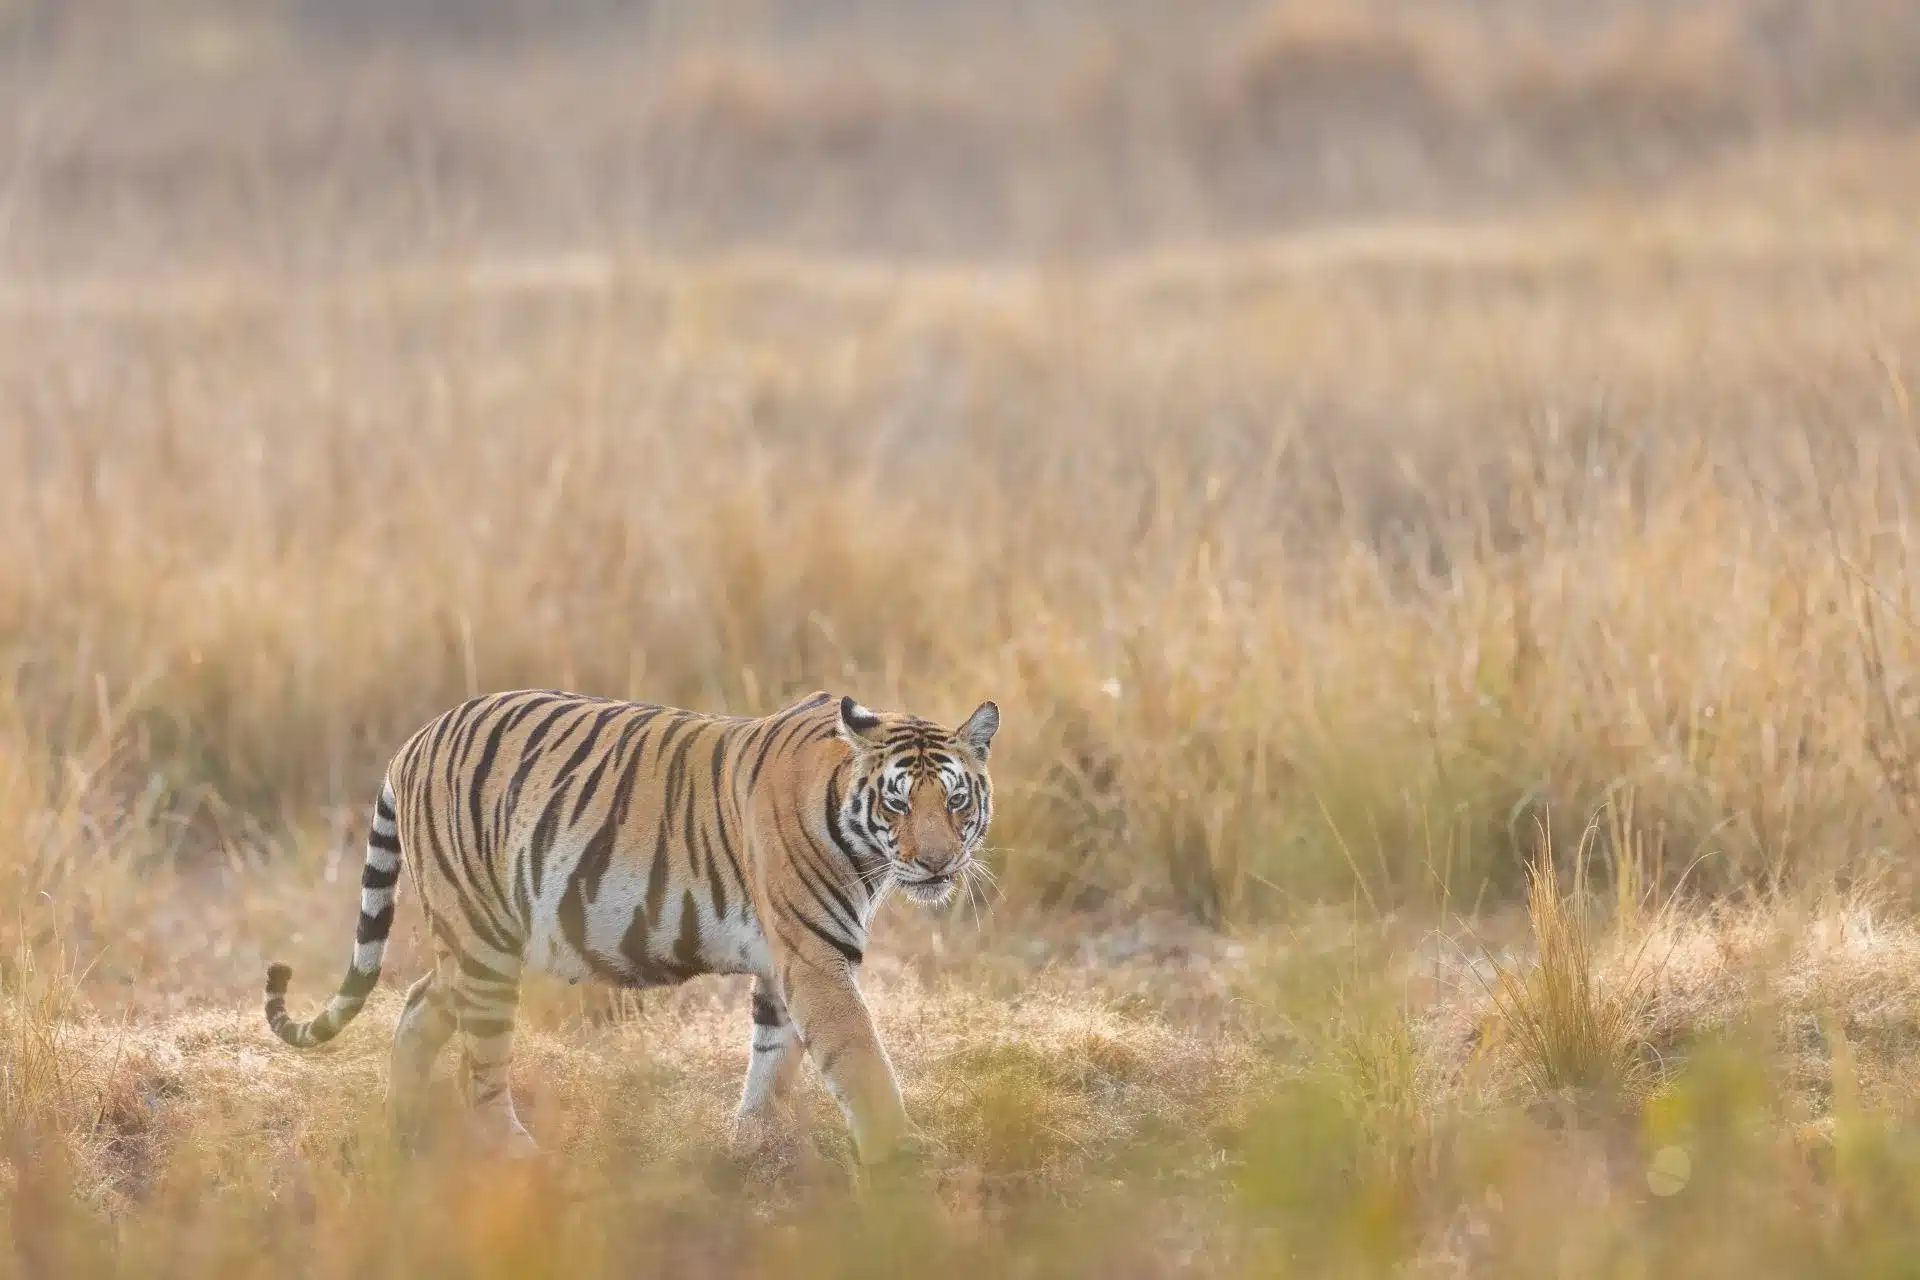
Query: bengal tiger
{"points": [[643, 845]]}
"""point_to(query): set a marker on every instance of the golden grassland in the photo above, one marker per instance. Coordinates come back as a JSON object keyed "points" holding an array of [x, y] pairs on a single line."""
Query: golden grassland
{"points": [[1456, 795]]}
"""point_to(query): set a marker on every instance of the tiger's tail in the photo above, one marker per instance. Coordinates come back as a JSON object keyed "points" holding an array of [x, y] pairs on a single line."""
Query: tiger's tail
{"points": [[377, 881]]}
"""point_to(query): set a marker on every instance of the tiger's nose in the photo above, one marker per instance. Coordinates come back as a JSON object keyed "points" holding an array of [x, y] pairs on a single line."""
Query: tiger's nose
{"points": [[938, 862]]}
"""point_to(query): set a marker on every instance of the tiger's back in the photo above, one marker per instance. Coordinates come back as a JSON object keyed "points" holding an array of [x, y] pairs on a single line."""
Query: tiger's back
{"points": [[641, 845], [599, 839]]}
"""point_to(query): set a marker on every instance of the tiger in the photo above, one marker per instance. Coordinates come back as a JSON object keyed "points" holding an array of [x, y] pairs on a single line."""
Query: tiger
{"points": [[643, 845]]}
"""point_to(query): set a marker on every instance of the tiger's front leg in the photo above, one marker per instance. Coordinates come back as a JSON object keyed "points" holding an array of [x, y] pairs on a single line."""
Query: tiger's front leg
{"points": [[835, 1026]]}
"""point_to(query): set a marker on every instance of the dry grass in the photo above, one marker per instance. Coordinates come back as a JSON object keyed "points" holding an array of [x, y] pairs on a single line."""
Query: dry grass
{"points": [[1335, 581], [1292, 570], [1572, 1033]]}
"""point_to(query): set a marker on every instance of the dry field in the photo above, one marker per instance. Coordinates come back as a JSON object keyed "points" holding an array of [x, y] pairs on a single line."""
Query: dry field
{"points": [[1430, 487]]}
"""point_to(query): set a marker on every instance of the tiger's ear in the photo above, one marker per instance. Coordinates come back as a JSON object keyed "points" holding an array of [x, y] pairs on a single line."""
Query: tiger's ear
{"points": [[857, 724], [980, 727]]}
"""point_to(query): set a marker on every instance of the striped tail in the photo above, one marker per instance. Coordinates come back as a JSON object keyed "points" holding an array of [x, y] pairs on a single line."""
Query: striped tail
{"points": [[377, 883]]}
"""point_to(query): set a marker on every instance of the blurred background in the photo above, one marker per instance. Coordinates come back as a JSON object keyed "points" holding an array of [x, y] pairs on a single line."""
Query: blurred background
{"points": [[302, 132]]}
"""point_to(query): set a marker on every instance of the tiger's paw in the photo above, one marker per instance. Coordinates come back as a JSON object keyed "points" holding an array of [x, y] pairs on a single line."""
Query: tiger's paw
{"points": [[519, 1145], [764, 1148], [487, 1138], [914, 1151]]}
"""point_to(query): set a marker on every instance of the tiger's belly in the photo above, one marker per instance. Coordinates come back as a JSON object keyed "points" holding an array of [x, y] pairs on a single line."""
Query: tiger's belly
{"points": [[627, 931]]}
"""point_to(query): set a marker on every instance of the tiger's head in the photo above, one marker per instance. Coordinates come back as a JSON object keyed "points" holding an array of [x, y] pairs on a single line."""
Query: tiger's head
{"points": [[921, 797]]}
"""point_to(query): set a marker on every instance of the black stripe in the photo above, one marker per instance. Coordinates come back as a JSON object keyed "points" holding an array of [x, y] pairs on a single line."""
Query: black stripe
{"points": [[543, 832], [635, 951], [444, 727], [374, 928], [481, 925], [657, 876], [772, 735], [689, 827], [590, 787], [477, 785], [793, 948], [530, 757], [585, 749], [782, 724], [563, 778], [522, 873], [715, 887], [569, 718], [372, 877], [383, 842], [596, 857], [838, 834], [736, 872], [533, 700], [435, 854], [722, 805], [480, 918], [478, 1002], [676, 721], [676, 772], [572, 911], [479, 714], [465, 848], [600, 849], [765, 1012], [502, 805], [382, 809], [358, 983], [561, 783], [463, 740], [485, 1028], [686, 946], [716, 767], [851, 953], [827, 896], [630, 774], [478, 969], [743, 740]]}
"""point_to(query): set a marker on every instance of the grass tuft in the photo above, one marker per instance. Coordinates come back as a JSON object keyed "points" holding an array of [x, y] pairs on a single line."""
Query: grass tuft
{"points": [[1575, 1029]]}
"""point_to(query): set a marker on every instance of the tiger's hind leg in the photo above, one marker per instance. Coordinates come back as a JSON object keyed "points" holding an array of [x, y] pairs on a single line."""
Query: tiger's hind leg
{"points": [[766, 1126], [426, 1023], [486, 999]]}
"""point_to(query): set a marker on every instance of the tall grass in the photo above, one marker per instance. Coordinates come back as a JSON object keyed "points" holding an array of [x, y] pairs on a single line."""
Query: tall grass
{"points": [[1261, 640]]}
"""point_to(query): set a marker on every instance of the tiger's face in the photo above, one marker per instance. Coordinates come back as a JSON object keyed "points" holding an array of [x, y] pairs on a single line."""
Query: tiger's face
{"points": [[923, 799]]}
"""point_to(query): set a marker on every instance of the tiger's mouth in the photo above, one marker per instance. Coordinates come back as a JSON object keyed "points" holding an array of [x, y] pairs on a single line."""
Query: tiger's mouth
{"points": [[930, 891]]}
